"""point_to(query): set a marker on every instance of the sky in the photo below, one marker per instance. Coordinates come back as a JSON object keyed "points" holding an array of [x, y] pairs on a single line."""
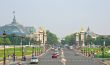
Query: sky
{"points": [[61, 17]]}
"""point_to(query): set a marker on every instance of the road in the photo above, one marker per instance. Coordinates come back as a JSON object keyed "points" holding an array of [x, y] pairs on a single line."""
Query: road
{"points": [[70, 59], [79, 59]]}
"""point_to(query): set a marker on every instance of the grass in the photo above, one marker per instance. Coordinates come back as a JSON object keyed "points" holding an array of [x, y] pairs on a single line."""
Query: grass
{"points": [[18, 51], [98, 52]]}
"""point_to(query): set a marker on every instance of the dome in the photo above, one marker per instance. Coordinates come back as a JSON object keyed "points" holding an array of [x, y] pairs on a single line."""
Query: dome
{"points": [[15, 27]]}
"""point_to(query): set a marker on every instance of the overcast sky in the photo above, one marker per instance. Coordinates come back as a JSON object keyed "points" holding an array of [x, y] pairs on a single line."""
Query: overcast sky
{"points": [[61, 17]]}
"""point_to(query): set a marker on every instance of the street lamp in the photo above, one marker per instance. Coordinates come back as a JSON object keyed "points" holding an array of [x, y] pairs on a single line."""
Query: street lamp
{"points": [[32, 41], [4, 40], [14, 35], [102, 49], [44, 41], [22, 37], [35, 46], [39, 44]]}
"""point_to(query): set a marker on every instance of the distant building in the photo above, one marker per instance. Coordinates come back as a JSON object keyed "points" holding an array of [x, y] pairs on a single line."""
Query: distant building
{"points": [[82, 35], [40, 36], [90, 33], [16, 28]]}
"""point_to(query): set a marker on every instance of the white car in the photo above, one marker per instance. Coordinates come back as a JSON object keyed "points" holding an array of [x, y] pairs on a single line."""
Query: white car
{"points": [[71, 47], [34, 60]]}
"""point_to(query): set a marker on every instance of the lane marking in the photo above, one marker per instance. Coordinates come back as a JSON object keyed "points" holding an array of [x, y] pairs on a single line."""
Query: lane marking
{"points": [[63, 60]]}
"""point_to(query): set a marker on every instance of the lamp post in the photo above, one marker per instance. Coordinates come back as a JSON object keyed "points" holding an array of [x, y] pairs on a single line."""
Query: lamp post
{"points": [[102, 49], [44, 41], [22, 48], [14, 35], [32, 44], [4, 37], [35, 47], [39, 43]]}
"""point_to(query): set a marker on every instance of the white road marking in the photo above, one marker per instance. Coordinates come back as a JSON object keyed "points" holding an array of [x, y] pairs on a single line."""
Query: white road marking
{"points": [[63, 60]]}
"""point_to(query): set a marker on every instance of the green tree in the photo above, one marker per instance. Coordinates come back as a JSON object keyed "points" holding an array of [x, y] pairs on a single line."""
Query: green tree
{"points": [[70, 39], [51, 38], [1, 40], [88, 40], [7, 41]]}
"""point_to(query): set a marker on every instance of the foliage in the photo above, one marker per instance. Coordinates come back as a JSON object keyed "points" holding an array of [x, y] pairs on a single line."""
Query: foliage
{"points": [[70, 39], [88, 40], [6, 41], [100, 40], [51, 38]]}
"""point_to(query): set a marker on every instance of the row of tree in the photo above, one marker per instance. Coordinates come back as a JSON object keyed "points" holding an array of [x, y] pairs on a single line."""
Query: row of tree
{"points": [[51, 38], [71, 39], [10, 40]]}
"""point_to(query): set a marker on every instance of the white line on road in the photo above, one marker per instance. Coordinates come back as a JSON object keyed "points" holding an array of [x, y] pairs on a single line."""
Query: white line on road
{"points": [[63, 60]]}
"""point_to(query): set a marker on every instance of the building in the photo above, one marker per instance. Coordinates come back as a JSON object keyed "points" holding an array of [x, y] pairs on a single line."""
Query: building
{"points": [[15, 27], [39, 36], [83, 34]]}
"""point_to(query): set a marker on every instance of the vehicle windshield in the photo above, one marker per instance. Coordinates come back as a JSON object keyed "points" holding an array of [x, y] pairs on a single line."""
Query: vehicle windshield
{"points": [[34, 58]]}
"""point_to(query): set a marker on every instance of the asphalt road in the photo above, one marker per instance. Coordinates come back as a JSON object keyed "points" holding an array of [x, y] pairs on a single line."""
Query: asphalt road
{"points": [[73, 59], [47, 60], [69, 56]]}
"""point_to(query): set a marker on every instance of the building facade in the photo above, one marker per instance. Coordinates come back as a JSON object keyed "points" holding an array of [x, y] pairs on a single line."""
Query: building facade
{"points": [[15, 27], [83, 35]]}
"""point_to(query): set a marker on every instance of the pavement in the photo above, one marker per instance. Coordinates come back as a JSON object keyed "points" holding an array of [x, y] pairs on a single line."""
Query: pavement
{"points": [[67, 57]]}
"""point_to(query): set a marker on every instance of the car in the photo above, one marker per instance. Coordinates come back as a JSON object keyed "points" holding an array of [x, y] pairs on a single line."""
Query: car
{"points": [[54, 55], [70, 47], [57, 53], [34, 60], [52, 48], [77, 54]]}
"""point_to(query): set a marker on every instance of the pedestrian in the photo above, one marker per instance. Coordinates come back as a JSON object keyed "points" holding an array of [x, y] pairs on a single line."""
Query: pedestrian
{"points": [[8, 56]]}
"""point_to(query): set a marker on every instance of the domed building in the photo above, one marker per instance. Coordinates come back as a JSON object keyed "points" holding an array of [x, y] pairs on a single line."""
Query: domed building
{"points": [[16, 28]]}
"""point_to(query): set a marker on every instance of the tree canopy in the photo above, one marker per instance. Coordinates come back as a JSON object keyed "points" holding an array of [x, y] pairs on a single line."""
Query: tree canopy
{"points": [[69, 39], [51, 38]]}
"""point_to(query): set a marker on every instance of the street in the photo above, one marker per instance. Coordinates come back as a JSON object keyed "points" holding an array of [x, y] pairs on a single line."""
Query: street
{"points": [[71, 59]]}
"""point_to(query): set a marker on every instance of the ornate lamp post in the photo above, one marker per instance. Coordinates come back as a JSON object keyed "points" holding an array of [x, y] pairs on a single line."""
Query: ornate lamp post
{"points": [[14, 35], [4, 37], [102, 49], [44, 41], [35, 49], [22, 37], [39, 43]]}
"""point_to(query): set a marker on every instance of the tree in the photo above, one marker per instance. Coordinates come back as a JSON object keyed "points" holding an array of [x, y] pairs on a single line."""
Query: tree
{"points": [[70, 39], [51, 38], [7, 41], [88, 40], [1, 40]]}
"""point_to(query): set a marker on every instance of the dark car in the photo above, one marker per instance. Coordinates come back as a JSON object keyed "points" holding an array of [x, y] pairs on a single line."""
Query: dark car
{"points": [[54, 55]]}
